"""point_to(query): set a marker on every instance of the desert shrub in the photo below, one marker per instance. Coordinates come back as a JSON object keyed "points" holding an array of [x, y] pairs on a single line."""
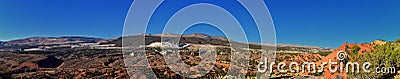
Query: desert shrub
{"points": [[387, 55], [355, 49], [324, 53]]}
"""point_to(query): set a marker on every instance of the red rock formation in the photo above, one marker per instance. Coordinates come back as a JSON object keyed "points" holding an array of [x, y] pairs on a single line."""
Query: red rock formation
{"points": [[333, 56]]}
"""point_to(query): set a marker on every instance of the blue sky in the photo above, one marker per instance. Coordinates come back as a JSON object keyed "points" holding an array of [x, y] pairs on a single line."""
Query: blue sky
{"points": [[326, 23]]}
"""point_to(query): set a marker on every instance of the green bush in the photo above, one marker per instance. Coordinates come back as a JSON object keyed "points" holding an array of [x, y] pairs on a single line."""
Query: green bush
{"points": [[398, 40], [355, 49], [324, 53], [387, 55]]}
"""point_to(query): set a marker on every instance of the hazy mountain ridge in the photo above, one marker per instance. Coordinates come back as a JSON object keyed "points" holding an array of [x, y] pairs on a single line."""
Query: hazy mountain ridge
{"points": [[213, 40], [197, 35], [186, 38], [151, 38], [50, 40]]}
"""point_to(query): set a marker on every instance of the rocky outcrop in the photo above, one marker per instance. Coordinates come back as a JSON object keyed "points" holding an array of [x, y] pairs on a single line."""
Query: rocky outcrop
{"points": [[333, 56]]}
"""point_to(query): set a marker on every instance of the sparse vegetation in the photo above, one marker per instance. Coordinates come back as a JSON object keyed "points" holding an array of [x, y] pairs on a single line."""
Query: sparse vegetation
{"points": [[324, 53], [354, 49], [387, 55]]}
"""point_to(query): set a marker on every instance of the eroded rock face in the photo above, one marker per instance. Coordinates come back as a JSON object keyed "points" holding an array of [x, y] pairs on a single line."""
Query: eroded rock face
{"points": [[50, 62]]}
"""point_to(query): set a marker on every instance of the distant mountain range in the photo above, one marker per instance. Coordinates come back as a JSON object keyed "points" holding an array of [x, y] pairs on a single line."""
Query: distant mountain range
{"points": [[149, 38], [50, 40], [213, 40], [187, 38]]}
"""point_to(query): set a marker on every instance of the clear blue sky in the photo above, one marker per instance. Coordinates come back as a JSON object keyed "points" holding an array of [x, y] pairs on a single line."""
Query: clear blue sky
{"points": [[326, 23]]}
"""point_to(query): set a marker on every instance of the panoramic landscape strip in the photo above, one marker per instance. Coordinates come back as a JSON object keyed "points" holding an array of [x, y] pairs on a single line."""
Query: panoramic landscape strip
{"points": [[199, 39], [86, 57]]}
